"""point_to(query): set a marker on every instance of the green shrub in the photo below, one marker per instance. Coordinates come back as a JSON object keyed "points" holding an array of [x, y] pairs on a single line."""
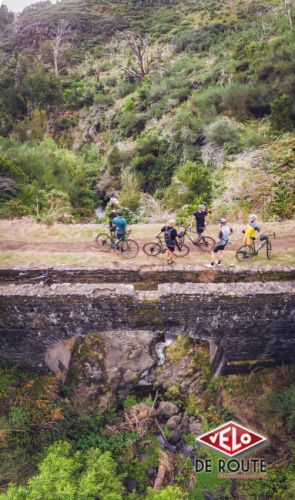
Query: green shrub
{"points": [[41, 88], [126, 88], [223, 131], [128, 104], [118, 159], [12, 209], [283, 204], [152, 162], [239, 100], [10, 169], [282, 116], [67, 474], [208, 103], [131, 123], [198, 39], [19, 418], [111, 81], [192, 181], [281, 407], [130, 194], [78, 92], [104, 99], [168, 493], [47, 169], [129, 402]]}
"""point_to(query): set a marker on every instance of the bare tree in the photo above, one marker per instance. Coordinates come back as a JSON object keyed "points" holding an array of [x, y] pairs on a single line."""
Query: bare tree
{"points": [[147, 58], [60, 43], [288, 9]]}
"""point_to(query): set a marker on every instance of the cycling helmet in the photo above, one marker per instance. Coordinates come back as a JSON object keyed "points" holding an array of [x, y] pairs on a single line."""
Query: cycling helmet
{"points": [[252, 218], [202, 206], [119, 212], [222, 221]]}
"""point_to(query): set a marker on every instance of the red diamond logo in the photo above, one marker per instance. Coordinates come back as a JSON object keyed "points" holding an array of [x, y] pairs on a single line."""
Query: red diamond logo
{"points": [[231, 439]]}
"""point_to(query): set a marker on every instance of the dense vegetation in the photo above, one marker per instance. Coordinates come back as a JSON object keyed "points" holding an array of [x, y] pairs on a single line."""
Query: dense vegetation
{"points": [[52, 447], [193, 101]]}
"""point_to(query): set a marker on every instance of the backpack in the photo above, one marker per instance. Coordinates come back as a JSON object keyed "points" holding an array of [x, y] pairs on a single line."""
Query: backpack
{"points": [[167, 235]]}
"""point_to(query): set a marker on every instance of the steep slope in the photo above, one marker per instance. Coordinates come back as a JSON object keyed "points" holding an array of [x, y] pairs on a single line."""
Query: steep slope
{"points": [[179, 100]]}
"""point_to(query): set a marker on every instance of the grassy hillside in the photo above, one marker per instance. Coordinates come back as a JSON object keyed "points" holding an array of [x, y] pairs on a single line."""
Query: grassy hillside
{"points": [[207, 114]]}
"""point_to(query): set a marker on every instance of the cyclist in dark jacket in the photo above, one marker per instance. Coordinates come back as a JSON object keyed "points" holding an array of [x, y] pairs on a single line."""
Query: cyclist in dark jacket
{"points": [[170, 236], [200, 217]]}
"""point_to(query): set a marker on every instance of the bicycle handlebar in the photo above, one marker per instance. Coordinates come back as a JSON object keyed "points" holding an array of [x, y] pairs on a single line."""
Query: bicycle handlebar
{"points": [[273, 235]]}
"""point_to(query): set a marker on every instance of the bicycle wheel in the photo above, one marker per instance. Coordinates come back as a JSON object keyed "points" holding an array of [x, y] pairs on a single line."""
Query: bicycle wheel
{"points": [[128, 249], [184, 250], [244, 253], [206, 243], [268, 250], [151, 249], [104, 242]]}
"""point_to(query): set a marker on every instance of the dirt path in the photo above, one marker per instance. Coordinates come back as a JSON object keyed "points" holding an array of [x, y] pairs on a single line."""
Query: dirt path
{"points": [[90, 246]]}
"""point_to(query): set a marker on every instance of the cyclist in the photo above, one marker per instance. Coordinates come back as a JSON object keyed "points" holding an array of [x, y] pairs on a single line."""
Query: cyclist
{"points": [[170, 236], [223, 240], [251, 231], [113, 214], [119, 224], [111, 211], [200, 217]]}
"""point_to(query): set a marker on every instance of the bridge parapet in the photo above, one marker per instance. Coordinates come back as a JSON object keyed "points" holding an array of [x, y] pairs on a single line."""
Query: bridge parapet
{"points": [[244, 323]]}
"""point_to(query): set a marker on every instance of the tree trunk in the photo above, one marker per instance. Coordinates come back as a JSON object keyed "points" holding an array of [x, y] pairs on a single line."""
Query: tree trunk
{"points": [[55, 60]]}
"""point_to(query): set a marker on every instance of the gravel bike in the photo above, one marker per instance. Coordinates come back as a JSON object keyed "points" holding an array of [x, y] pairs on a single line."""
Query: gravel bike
{"points": [[246, 252], [155, 248], [205, 243], [125, 246], [45, 278]]}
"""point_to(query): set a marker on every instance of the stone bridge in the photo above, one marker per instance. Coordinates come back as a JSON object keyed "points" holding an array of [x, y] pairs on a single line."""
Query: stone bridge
{"points": [[248, 318]]}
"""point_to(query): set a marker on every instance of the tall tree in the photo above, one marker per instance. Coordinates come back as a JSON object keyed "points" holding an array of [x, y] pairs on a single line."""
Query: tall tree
{"points": [[6, 17], [288, 8], [146, 58], [60, 43]]}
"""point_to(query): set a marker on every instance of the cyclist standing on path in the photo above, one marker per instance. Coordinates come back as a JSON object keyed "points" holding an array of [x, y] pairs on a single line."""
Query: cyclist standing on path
{"points": [[170, 236], [200, 217], [223, 240], [120, 225], [251, 231]]}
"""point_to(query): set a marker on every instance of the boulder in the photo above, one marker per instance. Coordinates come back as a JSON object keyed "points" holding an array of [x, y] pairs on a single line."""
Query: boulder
{"points": [[173, 422], [195, 427], [105, 362], [184, 425], [174, 438], [167, 410], [127, 355]]}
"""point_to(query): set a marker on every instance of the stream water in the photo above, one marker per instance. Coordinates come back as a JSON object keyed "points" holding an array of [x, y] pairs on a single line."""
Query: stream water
{"points": [[100, 212]]}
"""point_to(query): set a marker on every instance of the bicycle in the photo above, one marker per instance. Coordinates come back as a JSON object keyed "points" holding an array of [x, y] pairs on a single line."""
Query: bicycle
{"points": [[100, 238], [205, 243], [155, 248], [246, 252], [126, 247], [45, 278]]}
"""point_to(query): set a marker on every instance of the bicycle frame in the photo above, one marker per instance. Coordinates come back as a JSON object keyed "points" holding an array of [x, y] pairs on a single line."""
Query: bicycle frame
{"points": [[45, 278], [164, 249], [160, 242], [263, 243], [116, 242], [193, 241]]}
